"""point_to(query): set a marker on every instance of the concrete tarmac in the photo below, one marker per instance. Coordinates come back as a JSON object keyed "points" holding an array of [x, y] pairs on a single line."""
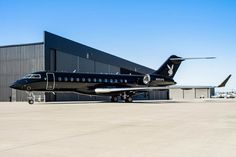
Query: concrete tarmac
{"points": [[142, 129]]}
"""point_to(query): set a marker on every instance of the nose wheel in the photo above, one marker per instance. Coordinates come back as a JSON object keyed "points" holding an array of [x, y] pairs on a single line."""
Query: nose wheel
{"points": [[31, 102]]}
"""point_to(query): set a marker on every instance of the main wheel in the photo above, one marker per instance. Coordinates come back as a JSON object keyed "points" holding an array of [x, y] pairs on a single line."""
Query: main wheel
{"points": [[31, 102], [114, 99], [129, 99]]}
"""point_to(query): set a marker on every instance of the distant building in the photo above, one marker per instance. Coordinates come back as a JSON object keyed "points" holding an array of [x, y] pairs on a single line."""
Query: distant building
{"points": [[193, 93]]}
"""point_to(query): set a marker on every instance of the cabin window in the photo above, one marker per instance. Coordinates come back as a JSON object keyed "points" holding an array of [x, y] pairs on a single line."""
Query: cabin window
{"points": [[100, 80], [125, 81], [115, 81], [121, 81], [111, 80], [71, 79], [89, 79], [83, 79], [77, 79], [105, 80], [94, 80], [66, 79], [59, 79]]}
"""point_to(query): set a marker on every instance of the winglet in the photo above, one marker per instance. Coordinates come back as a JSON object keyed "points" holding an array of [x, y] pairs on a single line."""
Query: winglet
{"points": [[225, 81]]}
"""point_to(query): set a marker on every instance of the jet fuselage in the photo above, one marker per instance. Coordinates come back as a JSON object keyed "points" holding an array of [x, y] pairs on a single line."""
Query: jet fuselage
{"points": [[86, 83]]}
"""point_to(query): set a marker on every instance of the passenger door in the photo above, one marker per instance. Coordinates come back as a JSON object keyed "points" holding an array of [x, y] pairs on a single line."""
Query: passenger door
{"points": [[50, 81]]}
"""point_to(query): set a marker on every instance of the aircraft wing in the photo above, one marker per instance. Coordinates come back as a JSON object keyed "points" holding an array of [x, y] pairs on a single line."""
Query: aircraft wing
{"points": [[142, 89]]}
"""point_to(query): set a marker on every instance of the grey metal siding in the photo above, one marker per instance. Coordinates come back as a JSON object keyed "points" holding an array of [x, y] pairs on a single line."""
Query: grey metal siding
{"points": [[65, 62], [15, 62], [68, 46]]}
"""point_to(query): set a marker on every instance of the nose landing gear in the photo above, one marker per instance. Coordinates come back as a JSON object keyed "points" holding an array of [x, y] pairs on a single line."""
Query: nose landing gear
{"points": [[31, 98]]}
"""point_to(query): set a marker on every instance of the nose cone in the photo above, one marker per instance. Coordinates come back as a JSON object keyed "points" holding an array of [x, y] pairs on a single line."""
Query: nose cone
{"points": [[15, 85]]}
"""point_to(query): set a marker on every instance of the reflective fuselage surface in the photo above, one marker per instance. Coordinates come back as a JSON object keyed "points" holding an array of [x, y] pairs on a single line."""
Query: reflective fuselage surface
{"points": [[85, 83]]}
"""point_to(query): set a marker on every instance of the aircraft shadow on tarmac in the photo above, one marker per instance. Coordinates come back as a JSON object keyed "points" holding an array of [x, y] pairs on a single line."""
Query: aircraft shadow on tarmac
{"points": [[113, 103]]}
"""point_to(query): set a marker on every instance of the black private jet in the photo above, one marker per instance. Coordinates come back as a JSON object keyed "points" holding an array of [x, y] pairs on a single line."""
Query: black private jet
{"points": [[114, 85]]}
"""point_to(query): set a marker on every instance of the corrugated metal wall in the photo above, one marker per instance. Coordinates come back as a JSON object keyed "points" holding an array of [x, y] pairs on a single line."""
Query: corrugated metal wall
{"points": [[15, 62]]}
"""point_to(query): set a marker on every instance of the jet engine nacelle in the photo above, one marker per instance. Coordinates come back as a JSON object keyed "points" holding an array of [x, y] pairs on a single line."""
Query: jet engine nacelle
{"points": [[146, 79], [153, 80]]}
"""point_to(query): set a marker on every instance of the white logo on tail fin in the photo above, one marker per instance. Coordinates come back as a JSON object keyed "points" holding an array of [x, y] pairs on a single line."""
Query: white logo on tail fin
{"points": [[170, 71]]}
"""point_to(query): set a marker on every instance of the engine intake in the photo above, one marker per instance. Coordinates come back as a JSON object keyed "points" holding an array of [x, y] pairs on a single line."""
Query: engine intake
{"points": [[146, 79]]}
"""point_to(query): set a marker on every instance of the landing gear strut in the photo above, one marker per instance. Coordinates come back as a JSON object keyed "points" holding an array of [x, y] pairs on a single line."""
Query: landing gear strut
{"points": [[127, 97], [31, 98]]}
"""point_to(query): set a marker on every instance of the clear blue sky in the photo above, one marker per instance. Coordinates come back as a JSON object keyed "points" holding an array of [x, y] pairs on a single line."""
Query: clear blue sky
{"points": [[145, 32]]}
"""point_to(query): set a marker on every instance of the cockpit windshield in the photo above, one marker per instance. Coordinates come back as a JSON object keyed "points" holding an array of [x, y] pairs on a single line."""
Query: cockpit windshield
{"points": [[32, 76]]}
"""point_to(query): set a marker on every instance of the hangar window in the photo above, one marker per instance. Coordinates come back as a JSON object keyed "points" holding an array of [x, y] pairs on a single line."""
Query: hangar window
{"points": [[71, 79], [59, 79], [100, 80], [66, 79], [83, 79], [94, 80], [89, 79], [77, 79]]}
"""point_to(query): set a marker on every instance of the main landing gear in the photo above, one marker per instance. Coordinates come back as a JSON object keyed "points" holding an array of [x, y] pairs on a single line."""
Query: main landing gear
{"points": [[129, 99], [114, 99], [125, 97]]}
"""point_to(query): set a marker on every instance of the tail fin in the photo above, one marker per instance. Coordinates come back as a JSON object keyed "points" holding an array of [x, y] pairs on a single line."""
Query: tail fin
{"points": [[170, 67], [225, 81]]}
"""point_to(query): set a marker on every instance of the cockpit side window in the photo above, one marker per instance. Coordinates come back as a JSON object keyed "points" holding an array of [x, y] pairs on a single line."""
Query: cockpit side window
{"points": [[36, 76], [27, 76], [32, 76]]}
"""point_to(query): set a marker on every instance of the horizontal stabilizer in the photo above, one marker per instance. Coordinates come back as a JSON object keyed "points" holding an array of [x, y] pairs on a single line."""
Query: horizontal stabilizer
{"points": [[183, 59], [225, 81]]}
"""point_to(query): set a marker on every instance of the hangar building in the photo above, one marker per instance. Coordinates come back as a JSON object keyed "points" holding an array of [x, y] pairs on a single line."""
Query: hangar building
{"points": [[56, 53], [193, 93]]}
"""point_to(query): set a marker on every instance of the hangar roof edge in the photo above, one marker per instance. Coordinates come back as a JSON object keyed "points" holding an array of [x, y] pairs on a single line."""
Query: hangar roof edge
{"points": [[26, 44]]}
